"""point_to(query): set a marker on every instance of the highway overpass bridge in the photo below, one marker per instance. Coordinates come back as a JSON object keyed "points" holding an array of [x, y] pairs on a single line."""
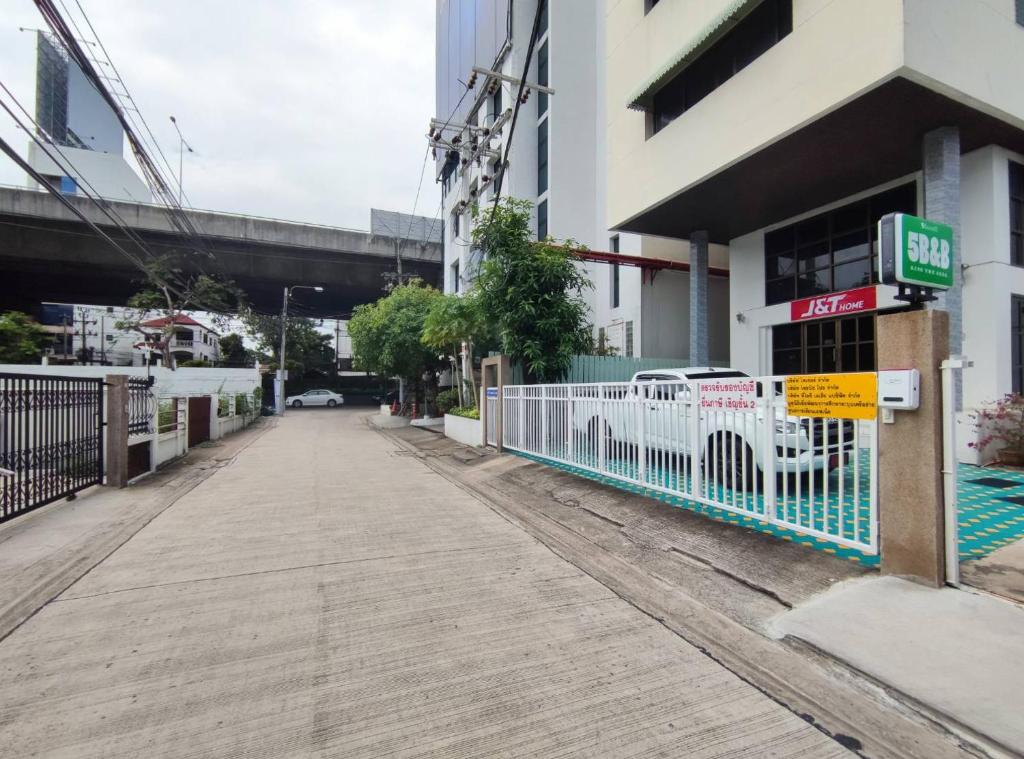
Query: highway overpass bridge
{"points": [[47, 254]]}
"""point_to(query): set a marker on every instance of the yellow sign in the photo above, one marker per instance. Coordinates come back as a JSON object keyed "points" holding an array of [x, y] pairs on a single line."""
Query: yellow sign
{"points": [[833, 396]]}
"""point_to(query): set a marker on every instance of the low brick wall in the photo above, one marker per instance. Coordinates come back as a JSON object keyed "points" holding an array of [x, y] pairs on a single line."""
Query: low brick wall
{"points": [[464, 430]]}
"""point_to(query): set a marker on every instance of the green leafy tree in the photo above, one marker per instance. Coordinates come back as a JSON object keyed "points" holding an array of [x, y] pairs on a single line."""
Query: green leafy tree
{"points": [[22, 340], [308, 350], [233, 351], [454, 321], [532, 292], [171, 288], [387, 335]]}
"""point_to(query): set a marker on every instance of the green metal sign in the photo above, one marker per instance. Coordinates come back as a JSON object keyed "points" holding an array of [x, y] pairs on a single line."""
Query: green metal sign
{"points": [[915, 251]]}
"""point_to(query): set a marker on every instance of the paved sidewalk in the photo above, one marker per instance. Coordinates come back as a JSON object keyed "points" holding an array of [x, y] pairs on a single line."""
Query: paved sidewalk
{"points": [[326, 595], [960, 653]]}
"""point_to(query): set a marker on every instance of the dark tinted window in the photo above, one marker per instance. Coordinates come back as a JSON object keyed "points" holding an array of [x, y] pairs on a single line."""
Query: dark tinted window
{"points": [[761, 29], [542, 78], [1017, 346], [542, 220], [542, 157], [1017, 213], [831, 252]]}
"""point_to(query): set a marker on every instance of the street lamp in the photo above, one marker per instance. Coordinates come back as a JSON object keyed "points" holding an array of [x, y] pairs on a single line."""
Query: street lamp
{"points": [[284, 327], [181, 155]]}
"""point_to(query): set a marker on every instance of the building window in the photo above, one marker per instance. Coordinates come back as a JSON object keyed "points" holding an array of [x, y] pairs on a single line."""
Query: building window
{"points": [[602, 339], [1017, 212], [758, 32], [496, 104], [830, 345], [542, 157], [455, 276], [649, 5], [542, 78], [831, 252], [1017, 346], [543, 18], [1020, 12], [542, 220], [628, 352], [455, 225]]}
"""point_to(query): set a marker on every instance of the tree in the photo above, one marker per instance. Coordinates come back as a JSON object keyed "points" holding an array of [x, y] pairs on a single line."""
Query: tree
{"points": [[21, 339], [387, 335], [532, 292], [454, 321], [233, 351], [170, 289], [308, 350]]}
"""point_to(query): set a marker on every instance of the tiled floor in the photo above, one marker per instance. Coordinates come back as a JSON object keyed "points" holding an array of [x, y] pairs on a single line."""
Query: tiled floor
{"points": [[991, 509]]}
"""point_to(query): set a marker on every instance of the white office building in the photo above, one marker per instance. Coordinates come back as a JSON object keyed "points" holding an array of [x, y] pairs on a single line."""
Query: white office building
{"points": [[784, 129]]}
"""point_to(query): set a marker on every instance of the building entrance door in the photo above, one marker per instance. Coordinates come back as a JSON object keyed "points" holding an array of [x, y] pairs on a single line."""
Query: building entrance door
{"points": [[829, 345]]}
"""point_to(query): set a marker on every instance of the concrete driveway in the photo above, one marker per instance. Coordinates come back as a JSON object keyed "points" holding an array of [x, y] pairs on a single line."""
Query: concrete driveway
{"points": [[326, 594]]}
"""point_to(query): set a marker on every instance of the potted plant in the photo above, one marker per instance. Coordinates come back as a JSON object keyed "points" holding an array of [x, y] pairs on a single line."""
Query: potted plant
{"points": [[1002, 426]]}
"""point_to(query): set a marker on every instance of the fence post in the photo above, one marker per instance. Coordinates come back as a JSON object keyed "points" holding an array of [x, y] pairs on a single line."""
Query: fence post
{"points": [[641, 442], [696, 443], [601, 452], [570, 434], [770, 415], [117, 430], [544, 419]]}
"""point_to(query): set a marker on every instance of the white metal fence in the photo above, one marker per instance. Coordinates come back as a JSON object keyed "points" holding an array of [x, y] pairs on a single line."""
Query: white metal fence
{"points": [[812, 475]]}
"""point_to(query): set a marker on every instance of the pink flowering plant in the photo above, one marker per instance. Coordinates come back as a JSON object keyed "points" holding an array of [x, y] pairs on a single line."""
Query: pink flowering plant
{"points": [[1002, 426]]}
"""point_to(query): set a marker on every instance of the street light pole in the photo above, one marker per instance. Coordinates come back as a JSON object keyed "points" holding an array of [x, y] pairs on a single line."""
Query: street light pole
{"points": [[284, 332], [182, 144]]}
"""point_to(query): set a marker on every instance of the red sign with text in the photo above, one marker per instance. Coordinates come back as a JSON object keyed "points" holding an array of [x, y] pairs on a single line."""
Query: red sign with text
{"points": [[835, 304]]}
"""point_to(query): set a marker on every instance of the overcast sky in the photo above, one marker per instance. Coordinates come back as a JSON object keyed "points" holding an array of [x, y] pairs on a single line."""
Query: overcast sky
{"points": [[312, 110]]}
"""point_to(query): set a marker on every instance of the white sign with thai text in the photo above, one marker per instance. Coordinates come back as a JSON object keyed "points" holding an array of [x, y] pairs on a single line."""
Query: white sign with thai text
{"points": [[734, 394]]}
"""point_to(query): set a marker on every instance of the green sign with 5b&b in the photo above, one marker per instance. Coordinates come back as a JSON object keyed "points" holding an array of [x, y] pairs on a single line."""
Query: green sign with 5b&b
{"points": [[914, 251]]}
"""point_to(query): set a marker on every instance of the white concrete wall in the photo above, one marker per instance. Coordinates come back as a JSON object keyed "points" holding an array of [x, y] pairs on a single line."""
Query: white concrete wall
{"points": [[177, 382], [970, 50]]}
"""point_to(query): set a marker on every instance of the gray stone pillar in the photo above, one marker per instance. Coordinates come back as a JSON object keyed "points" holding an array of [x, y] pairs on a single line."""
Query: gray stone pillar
{"points": [[941, 162], [699, 349], [116, 459]]}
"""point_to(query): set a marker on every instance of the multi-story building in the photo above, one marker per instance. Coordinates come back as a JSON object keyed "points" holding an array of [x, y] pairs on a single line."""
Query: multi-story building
{"points": [[784, 129], [98, 335], [556, 160]]}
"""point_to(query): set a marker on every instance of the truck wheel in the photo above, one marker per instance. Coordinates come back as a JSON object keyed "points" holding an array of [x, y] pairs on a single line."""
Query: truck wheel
{"points": [[734, 456], [593, 437]]}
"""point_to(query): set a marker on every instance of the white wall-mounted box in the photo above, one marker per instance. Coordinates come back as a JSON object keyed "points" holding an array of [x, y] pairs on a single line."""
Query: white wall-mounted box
{"points": [[899, 389]]}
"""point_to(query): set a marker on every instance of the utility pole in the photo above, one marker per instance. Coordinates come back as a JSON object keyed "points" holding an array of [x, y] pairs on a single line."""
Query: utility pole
{"points": [[337, 345], [64, 321], [182, 146], [280, 362]]}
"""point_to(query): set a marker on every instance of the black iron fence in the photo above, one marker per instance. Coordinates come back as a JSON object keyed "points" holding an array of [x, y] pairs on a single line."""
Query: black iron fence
{"points": [[141, 406], [51, 439]]}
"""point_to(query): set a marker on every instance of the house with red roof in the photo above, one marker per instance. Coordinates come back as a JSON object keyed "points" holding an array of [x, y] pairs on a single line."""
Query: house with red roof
{"points": [[192, 340]]}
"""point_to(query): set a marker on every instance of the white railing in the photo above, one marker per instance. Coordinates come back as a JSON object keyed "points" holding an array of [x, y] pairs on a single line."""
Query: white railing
{"points": [[812, 475]]}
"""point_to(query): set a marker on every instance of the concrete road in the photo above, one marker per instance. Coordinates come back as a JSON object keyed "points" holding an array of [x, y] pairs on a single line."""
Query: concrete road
{"points": [[327, 595]]}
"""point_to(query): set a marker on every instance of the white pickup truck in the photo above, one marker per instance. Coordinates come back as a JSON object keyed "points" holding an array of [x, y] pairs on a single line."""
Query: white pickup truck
{"points": [[734, 440]]}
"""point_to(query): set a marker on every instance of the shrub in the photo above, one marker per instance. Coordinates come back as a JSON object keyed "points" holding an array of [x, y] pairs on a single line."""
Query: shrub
{"points": [[1002, 425], [446, 400], [467, 411], [194, 363]]}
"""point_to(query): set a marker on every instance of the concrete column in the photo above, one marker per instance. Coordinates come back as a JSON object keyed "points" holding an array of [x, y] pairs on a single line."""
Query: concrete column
{"points": [[910, 493], [117, 430], [941, 161], [699, 348]]}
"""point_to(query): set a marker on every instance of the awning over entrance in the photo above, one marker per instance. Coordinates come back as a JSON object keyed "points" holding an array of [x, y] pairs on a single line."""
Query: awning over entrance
{"points": [[867, 142]]}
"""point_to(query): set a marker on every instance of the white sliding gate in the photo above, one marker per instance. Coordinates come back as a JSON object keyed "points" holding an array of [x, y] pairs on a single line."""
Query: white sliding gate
{"points": [[812, 475]]}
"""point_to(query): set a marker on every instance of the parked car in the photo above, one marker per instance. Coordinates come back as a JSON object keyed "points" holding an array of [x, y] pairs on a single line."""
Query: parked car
{"points": [[735, 439], [315, 398]]}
